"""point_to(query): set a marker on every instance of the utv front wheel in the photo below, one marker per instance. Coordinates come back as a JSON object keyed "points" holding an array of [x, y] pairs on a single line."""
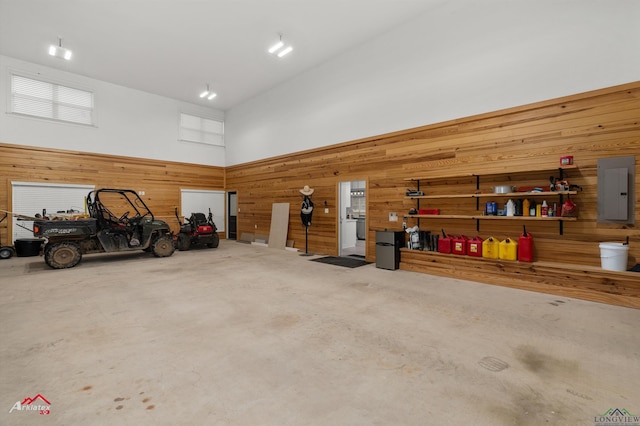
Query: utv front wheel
{"points": [[62, 255], [163, 246]]}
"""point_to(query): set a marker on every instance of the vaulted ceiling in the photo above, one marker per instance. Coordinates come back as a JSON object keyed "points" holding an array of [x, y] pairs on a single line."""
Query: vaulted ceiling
{"points": [[173, 48]]}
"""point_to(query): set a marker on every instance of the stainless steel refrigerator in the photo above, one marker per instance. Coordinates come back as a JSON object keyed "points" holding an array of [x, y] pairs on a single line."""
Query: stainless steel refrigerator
{"points": [[388, 245]]}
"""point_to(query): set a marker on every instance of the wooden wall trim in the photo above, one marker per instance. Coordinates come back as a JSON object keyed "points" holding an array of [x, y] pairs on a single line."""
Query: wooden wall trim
{"points": [[160, 180], [560, 279], [592, 125], [415, 131], [598, 124]]}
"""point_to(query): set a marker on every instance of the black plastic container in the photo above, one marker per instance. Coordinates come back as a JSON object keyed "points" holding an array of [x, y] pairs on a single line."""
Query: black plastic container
{"points": [[28, 246]]}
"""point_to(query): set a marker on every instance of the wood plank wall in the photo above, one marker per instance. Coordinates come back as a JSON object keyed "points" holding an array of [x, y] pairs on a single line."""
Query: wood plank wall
{"points": [[599, 124], [160, 180]]}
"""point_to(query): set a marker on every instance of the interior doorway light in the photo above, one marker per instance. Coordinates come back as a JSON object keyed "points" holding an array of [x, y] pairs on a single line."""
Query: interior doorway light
{"points": [[59, 51], [208, 93], [279, 48]]}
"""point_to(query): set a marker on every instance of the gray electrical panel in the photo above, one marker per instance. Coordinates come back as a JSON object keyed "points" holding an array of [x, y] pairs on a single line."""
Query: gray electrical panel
{"points": [[616, 195]]}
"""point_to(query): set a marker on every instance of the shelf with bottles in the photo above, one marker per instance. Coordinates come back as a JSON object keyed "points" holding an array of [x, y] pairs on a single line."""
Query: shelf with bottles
{"points": [[561, 190], [487, 217]]}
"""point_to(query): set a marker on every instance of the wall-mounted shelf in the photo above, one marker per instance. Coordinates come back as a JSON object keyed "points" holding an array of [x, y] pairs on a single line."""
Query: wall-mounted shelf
{"points": [[483, 217], [463, 175], [478, 195], [492, 195]]}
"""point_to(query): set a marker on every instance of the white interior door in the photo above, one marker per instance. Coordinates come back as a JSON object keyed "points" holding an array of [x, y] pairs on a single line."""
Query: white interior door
{"points": [[343, 202]]}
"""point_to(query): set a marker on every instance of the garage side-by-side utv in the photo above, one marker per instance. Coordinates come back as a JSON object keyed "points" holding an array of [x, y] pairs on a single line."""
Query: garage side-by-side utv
{"points": [[119, 220]]}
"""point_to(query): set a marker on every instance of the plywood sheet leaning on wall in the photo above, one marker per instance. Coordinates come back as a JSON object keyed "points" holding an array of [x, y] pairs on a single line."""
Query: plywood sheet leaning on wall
{"points": [[279, 225]]}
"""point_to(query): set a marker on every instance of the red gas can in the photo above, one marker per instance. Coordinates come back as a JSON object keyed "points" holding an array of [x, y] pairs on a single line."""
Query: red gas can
{"points": [[474, 247], [525, 247], [460, 245], [445, 243]]}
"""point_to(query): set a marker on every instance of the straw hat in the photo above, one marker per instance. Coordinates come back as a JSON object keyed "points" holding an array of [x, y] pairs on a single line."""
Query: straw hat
{"points": [[306, 190]]}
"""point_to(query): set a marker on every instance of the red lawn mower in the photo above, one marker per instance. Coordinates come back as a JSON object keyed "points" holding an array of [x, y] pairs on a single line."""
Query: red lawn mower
{"points": [[198, 229]]}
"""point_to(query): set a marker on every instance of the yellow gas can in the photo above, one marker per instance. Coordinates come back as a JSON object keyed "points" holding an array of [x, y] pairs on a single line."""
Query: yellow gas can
{"points": [[508, 249], [490, 248]]}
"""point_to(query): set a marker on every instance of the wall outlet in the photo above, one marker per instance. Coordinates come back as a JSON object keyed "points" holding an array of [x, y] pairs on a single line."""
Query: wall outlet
{"points": [[140, 192], [393, 216], [326, 210]]}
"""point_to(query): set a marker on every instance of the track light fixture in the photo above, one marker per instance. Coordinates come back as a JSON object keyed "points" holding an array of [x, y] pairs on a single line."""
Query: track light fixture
{"points": [[276, 46], [208, 93], [284, 51], [59, 51], [279, 49]]}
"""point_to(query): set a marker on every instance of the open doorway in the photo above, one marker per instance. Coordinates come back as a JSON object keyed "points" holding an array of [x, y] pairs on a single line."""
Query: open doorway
{"points": [[232, 215], [352, 218]]}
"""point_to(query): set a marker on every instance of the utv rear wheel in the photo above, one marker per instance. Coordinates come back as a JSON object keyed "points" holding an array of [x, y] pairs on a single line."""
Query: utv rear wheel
{"points": [[163, 246], [215, 241], [184, 242], [62, 255]]}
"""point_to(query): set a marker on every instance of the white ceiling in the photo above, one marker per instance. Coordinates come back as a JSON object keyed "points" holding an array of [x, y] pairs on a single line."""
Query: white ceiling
{"points": [[174, 48]]}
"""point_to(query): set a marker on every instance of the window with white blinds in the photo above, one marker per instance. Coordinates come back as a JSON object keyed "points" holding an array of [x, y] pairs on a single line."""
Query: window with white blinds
{"points": [[52, 101], [201, 130]]}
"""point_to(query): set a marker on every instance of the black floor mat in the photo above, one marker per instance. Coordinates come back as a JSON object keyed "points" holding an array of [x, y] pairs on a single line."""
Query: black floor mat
{"points": [[348, 262]]}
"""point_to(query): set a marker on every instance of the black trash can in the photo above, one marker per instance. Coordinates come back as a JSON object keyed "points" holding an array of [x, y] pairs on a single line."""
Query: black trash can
{"points": [[28, 246]]}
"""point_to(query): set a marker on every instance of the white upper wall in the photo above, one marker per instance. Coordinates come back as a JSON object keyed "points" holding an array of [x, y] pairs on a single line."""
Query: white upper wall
{"points": [[129, 122], [453, 62]]}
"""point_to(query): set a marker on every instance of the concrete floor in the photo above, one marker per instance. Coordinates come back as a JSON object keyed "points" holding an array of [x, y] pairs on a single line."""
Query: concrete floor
{"points": [[246, 335], [359, 249]]}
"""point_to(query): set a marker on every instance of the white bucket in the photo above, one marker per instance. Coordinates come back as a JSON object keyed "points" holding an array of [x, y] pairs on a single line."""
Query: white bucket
{"points": [[613, 256]]}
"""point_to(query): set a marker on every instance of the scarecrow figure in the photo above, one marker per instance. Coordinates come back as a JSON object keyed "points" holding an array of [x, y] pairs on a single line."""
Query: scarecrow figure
{"points": [[306, 210]]}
